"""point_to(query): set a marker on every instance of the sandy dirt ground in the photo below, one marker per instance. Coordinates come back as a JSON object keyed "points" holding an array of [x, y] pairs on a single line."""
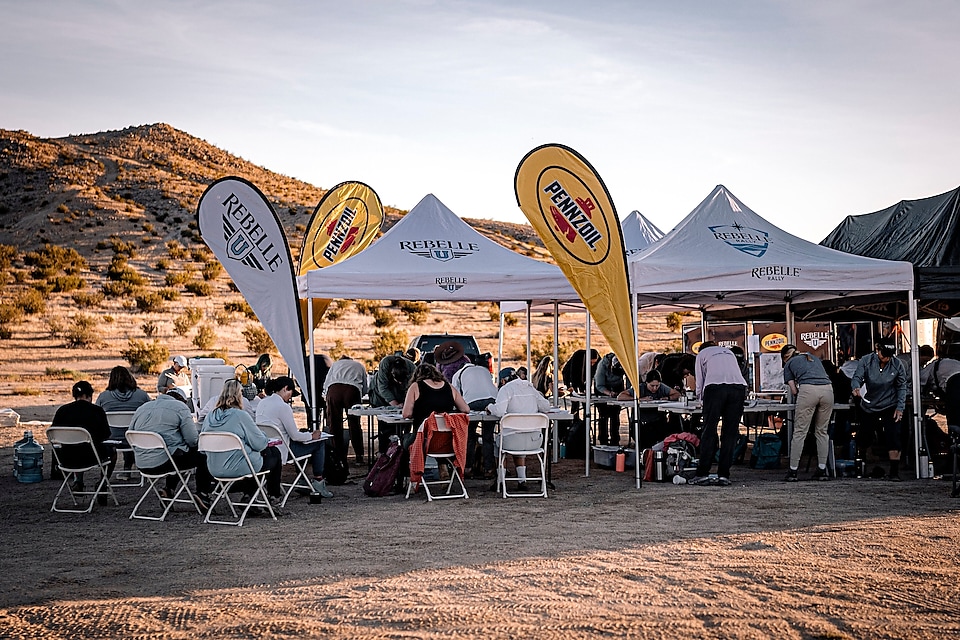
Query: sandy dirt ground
{"points": [[760, 559]]}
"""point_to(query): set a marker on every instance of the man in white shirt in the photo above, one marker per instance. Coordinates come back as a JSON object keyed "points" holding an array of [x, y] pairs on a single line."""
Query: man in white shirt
{"points": [[345, 384], [721, 390], [476, 386], [275, 411], [517, 396]]}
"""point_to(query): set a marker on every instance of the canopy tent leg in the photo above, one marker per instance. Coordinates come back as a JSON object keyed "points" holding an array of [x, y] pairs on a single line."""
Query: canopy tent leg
{"points": [[915, 376], [313, 366], [586, 405], [636, 390]]}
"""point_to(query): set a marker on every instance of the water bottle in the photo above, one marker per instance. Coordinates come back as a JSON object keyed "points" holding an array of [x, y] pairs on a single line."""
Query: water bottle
{"points": [[621, 463], [924, 465], [16, 446], [563, 449], [29, 460]]}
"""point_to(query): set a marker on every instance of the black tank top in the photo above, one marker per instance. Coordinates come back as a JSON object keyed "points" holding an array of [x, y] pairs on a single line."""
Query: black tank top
{"points": [[430, 400]]}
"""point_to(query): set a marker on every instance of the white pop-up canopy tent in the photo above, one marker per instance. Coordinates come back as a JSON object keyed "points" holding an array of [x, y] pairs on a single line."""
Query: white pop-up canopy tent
{"points": [[431, 254], [638, 233]]}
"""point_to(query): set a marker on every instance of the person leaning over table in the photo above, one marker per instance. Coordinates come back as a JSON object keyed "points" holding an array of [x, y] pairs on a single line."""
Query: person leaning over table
{"points": [[476, 386], [345, 385], [229, 417], [388, 388], [275, 411], [654, 426], [940, 378], [881, 407], [721, 390], [813, 390], [608, 383], [517, 395]]}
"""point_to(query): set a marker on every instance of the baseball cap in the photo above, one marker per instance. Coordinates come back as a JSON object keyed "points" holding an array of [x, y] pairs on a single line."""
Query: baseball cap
{"points": [[887, 349], [180, 360], [507, 373]]}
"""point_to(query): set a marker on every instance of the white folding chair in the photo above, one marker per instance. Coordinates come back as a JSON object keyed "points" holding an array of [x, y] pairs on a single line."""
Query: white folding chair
{"points": [[222, 442], [119, 421], [65, 436], [299, 463], [149, 440], [445, 453], [523, 434]]}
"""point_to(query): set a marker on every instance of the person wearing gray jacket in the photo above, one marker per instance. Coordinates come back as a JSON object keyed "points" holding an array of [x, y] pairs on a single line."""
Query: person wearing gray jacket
{"points": [[880, 382]]}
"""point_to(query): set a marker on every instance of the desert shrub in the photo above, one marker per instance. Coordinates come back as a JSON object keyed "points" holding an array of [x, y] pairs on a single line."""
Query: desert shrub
{"points": [[337, 308], [541, 347], [338, 350], [383, 318], [145, 357], [148, 227], [120, 271], [416, 311], [162, 264], [675, 320], [388, 341], [117, 289], [240, 306], [68, 283], [211, 270], [149, 328], [187, 320], [85, 300], [199, 254], [82, 331], [43, 286], [8, 254], [175, 278], [199, 288], [169, 294], [63, 374], [149, 302], [366, 307], [258, 340], [195, 314], [10, 314], [177, 251], [31, 302], [56, 258], [222, 318], [204, 337], [26, 391], [55, 326], [19, 276], [121, 247], [510, 320]]}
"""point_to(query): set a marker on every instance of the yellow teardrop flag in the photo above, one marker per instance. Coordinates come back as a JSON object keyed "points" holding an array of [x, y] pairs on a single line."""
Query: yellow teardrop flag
{"points": [[569, 207], [346, 220]]}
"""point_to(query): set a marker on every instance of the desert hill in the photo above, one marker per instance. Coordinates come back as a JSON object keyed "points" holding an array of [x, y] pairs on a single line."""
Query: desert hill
{"points": [[102, 264]]}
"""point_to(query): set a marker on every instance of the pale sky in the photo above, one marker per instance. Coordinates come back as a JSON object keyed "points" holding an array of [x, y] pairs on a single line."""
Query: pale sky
{"points": [[807, 111]]}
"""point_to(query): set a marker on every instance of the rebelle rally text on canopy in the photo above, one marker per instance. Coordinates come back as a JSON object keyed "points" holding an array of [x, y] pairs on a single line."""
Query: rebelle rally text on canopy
{"points": [[572, 216], [253, 232]]}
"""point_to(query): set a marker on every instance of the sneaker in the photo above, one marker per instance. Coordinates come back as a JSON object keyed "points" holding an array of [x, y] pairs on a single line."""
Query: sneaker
{"points": [[894, 478], [791, 476], [703, 481], [521, 486], [123, 476], [320, 486], [820, 474], [203, 501], [723, 482]]}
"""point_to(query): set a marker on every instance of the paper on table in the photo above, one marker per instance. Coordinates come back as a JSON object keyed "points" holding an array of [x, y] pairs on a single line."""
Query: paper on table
{"points": [[863, 393]]}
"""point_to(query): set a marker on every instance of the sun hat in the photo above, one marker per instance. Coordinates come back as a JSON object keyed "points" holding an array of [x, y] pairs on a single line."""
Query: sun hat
{"points": [[180, 360], [449, 351]]}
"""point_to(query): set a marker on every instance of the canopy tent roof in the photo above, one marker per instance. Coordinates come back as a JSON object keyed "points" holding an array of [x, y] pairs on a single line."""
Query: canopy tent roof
{"points": [[431, 254], [723, 255], [925, 232], [638, 232]]}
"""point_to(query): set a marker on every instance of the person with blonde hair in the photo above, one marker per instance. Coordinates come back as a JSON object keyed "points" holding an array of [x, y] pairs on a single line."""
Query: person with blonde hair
{"points": [[229, 416]]}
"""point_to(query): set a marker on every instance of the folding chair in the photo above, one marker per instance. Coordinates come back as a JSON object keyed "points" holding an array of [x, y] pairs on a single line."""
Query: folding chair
{"points": [[151, 440], [64, 436], [523, 434], [222, 442], [440, 449], [119, 421], [299, 463]]}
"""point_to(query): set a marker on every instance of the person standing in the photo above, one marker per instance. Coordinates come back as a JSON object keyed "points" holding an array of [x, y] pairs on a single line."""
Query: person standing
{"points": [[880, 382], [388, 388], [721, 390], [174, 376], [609, 383], [345, 385], [574, 374], [813, 390], [476, 386]]}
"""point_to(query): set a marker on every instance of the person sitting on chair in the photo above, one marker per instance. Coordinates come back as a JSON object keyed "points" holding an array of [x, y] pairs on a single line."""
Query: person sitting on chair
{"points": [[653, 422], [517, 395], [83, 413], [122, 394], [476, 386]]}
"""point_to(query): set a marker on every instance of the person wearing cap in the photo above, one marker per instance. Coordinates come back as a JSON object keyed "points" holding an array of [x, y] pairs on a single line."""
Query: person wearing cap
{"points": [[83, 413], [517, 395], [345, 385], [721, 390], [174, 376], [608, 383], [450, 358], [880, 382], [275, 411], [169, 416], [476, 386], [813, 390]]}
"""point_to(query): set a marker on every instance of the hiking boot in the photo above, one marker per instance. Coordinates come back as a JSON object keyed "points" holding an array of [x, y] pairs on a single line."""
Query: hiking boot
{"points": [[791, 476], [820, 474], [723, 482], [703, 481], [320, 486]]}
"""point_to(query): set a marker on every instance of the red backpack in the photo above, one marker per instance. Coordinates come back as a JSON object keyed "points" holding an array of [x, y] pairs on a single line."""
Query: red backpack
{"points": [[383, 476]]}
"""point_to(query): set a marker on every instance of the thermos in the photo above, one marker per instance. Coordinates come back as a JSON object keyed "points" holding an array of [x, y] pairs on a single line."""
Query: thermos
{"points": [[563, 449], [924, 459], [621, 463], [859, 468], [660, 466]]}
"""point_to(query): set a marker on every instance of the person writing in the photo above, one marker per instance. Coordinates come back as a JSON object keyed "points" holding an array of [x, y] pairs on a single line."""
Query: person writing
{"points": [[880, 382], [517, 395], [174, 376], [813, 390], [721, 390]]}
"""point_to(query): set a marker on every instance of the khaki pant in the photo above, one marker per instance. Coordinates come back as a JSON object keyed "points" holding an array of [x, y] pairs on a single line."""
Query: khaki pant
{"points": [[814, 405]]}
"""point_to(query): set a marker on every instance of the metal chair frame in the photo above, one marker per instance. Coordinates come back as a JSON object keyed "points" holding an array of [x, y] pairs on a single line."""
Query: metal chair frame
{"points": [[121, 419], [219, 442], [299, 463], [516, 431], [450, 456], [59, 436], [151, 440]]}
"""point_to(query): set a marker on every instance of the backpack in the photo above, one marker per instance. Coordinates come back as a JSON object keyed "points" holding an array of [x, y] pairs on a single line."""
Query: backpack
{"points": [[575, 441], [335, 469], [766, 452], [383, 476]]}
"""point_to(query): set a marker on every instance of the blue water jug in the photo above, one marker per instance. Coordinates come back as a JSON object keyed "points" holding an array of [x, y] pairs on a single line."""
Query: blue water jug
{"points": [[29, 460], [16, 445]]}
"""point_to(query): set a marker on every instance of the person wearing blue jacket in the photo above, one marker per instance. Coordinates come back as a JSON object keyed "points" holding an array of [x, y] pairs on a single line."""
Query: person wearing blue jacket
{"points": [[229, 416]]}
